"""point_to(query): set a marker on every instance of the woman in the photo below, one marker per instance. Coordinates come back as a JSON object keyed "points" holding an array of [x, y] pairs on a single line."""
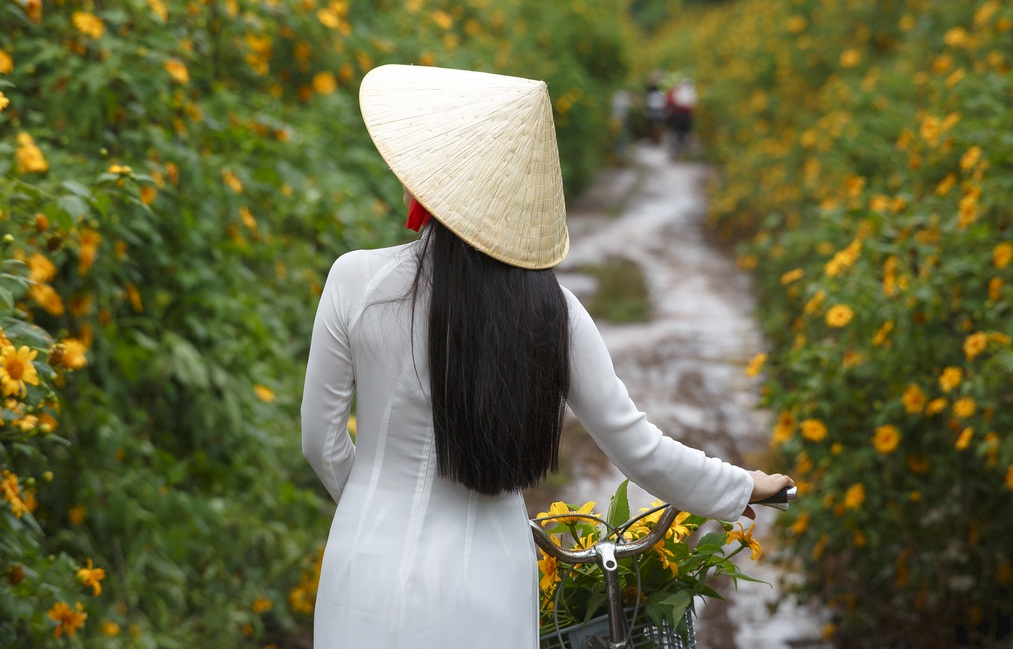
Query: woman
{"points": [[462, 351]]}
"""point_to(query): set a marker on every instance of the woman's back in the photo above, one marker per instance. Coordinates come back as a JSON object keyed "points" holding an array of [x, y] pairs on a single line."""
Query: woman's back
{"points": [[409, 551]]}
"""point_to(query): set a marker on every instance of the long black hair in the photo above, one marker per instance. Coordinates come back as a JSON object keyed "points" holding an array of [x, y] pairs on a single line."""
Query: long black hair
{"points": [[499, 364]]}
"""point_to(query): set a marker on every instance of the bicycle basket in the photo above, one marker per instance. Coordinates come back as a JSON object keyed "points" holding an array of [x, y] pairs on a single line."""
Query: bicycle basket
{"points": [[644, 635]]}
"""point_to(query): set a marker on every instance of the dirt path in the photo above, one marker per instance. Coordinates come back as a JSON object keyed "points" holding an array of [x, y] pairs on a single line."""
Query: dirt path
{"points": [[685, 367]]}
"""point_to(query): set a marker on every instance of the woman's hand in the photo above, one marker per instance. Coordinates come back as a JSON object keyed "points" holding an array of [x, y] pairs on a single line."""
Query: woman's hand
{"points": [[765, 486]]}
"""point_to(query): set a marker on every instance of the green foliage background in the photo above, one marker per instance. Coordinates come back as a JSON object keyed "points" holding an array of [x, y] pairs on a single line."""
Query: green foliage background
{"points": [[175, 180], [865, 162]]}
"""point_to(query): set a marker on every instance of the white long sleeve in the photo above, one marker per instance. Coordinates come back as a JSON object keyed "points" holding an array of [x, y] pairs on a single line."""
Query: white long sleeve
{"points": [[682, 476], [330, 381]]}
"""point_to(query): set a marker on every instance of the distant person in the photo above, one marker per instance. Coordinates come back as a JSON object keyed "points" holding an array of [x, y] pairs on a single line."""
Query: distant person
{"points": [[681, 105], [620, 123], [655, 110]]}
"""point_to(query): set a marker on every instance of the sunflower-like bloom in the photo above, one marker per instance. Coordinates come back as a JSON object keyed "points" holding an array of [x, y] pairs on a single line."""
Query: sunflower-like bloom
{"points": [[745, 537], [561, 508], [69, 619], [91, 576], [548, 566], [16, 370]]}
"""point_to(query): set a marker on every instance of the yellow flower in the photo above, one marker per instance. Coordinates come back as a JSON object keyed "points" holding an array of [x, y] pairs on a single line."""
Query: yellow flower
{"points": [[852, 358], [970, 158], [177, 70], [756, 364], [40, 268], [232, 181], [110, 628], [956, 37], [913, 399], [792, 276], [879, 203], [76, 514], [74, 354], [967, 211], [946, 184], [855, 496], [797, 24], [950, 378], [443, 19], [261, 604], [935, 407], [1002, 339], [4, 102], [850, 58], [813, 429], [549, 567], [88, 24], [956, 77], [886, 439], [148, 194], [88, 244], [69, 619], [1002, 254], [844, 259], [28, 156], [324, 83], [964, 408], [12, 493], [783, 429], [930, 129], [994, 289], [6, 63], [263, 393], [965, 439], [159, 9], [561, 508], [1009, 478], [800, 524], [975, 344], [882, 333], [33, 9], [16, 370], [91, 576], [247, 217], [46, 297], [839, 316], [745, 537], [328, 18]]}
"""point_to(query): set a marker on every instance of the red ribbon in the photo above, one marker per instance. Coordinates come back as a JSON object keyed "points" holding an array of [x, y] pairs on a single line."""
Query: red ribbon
{"points": [[417, 216]]}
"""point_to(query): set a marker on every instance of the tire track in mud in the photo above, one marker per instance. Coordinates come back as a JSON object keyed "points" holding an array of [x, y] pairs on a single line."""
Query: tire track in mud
{"points": [[684, 368]]}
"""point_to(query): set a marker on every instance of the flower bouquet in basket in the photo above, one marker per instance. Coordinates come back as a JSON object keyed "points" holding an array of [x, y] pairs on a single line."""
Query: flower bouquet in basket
{"points": [[663, 582]]}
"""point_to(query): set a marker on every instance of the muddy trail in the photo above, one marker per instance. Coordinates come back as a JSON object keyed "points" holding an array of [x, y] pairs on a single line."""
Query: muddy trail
{"points": [[684, 367]]}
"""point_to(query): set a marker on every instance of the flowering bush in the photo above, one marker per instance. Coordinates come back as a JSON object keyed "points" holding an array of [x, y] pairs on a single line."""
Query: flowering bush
{"points": [[866, 158], [665, 580], [175, 180]]}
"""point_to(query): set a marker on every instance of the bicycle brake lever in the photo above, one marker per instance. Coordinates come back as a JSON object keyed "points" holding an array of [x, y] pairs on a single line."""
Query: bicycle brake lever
{"points": [[781, 499]]}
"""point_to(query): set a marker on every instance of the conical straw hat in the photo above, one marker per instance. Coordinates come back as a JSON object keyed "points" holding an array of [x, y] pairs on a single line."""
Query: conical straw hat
{"points": [[478, 151]]}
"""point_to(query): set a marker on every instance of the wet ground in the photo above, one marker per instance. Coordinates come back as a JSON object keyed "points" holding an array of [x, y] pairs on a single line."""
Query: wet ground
{"points": [[684, 368]]}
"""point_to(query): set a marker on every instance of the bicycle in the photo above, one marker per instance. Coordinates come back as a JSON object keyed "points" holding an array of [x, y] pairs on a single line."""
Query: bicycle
{"points": [[606, 554]]}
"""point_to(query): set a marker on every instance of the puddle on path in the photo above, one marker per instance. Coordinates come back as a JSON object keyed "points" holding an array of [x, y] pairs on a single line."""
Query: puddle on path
{"points": [[685, 368]]}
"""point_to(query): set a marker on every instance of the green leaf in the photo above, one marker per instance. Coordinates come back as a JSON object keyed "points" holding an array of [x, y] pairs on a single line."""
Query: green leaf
{"points": [[77, 189], [619, 507], [73, 205], [713, 538]]}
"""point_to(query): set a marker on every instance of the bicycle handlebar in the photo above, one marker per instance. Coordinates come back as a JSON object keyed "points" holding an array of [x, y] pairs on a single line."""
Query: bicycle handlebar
{"points": [[779, 500], [622, 550]]}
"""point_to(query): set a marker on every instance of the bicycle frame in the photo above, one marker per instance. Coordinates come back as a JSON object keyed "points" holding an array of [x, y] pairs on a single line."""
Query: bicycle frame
{"points": [[607, 554]]}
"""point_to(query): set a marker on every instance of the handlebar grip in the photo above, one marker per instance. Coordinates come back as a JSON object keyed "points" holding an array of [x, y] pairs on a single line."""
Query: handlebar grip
{"points": [[781, 499]]}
